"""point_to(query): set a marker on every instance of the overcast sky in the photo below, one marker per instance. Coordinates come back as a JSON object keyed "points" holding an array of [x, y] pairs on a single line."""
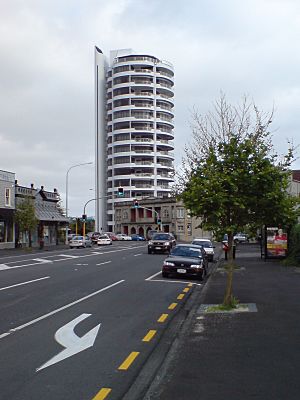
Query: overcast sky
{"points": [[47, 73]]}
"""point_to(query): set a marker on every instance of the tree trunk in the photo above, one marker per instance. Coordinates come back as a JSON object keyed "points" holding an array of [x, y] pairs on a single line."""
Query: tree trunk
{"points": [[29, 239], [230, 265]]}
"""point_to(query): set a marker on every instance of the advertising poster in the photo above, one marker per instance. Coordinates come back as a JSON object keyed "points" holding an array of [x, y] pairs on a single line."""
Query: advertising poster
{"points": [[276, 242]]}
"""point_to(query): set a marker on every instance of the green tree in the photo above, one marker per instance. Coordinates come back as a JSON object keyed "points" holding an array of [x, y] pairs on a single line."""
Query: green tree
{"points": [[25, 217], [231, 178]]}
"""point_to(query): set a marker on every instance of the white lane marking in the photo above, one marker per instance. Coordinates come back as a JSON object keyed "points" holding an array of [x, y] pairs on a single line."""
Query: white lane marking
{"points": [[40, 261], [4, 266], [18, 328], [136, 255], [72, 343], [44, 259], [152, 276], [97, 252], [81, 264], [106, 262], [25, 283], [169, 281]]}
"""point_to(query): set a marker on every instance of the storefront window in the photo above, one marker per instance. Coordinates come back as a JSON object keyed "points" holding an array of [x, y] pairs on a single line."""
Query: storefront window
{"points": [[2, 231]]}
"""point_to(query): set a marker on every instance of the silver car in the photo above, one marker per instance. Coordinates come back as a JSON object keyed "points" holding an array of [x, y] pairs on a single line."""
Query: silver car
{"points": [[80, 241]]}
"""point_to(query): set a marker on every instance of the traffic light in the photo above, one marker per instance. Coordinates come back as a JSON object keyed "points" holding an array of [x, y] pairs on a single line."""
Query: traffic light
{"points": [[84, 216], [136, 204], [120, 192]]}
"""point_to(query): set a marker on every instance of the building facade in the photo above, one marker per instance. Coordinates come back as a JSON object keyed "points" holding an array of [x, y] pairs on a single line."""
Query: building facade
{"points": [[173, 218], [7, 208], [134, 130], [50, 229]]}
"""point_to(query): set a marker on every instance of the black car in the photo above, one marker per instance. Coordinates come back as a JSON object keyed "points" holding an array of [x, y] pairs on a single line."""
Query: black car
{"points": [[161, 242], [186, 260]]}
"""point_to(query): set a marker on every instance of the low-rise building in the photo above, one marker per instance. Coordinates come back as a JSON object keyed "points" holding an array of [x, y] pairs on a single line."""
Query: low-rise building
{"points": [[167, 215], [7, 208], [50, 229]]}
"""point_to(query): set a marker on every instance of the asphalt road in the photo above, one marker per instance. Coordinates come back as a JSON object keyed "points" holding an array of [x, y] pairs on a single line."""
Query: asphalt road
{"points": [[81, 323]]}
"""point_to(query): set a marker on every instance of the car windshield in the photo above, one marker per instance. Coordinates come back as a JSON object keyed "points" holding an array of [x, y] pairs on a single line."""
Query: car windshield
{"points": [[103, 237], [78, 238], [186, 252], [161, 236], [202, 243]]}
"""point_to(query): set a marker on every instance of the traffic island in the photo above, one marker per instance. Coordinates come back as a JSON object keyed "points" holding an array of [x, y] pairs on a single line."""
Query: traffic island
{"points": [[219, 308]]}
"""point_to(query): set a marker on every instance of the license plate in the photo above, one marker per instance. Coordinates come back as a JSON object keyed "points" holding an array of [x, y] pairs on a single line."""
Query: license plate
{"points": [[157, 248], [181, 271]]}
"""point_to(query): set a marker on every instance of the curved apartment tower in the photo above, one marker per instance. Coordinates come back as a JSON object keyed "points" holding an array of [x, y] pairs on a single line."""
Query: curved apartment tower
{"points": [[139, 128]]}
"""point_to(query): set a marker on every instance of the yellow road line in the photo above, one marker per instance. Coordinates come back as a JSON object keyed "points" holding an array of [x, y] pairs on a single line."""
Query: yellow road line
{"points": [[129, 360], [180, 296], [149, 336], [190, 284], [162, 318], [172, 306], [186, 289], [102, 394]]}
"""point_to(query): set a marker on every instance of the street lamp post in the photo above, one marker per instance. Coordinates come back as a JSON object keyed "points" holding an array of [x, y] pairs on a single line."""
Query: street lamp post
{"points": [[84, 208], [67, 190]]}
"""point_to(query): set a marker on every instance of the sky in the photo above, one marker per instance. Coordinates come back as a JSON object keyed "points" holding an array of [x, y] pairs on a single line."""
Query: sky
{"points": [[248, 47]]}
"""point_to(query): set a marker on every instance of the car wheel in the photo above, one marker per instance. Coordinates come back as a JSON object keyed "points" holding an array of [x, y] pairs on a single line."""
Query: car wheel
{"points": [[164, 274]]}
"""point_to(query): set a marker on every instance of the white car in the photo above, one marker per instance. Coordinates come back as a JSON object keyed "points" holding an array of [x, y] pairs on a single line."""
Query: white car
{"points": [[207, 245], [80, 241], [122, 236], [240, 238], [104, 240]]}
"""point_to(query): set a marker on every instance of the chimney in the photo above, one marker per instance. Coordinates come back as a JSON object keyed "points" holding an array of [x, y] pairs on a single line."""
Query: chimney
{"points": [[55, 190], [16, 182], [32, 186]]}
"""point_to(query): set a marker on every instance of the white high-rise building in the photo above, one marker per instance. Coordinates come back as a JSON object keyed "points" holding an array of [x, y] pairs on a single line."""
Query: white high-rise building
{"points": [[134, 130]]}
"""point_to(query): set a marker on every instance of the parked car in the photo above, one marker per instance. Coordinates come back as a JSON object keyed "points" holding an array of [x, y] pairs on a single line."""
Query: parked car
{"points": [[70, 236], [80, 241], [151, 233], [104, 240], [207, 245], [161, 242], [111, 235], [138, 237], [240, 238], [186, 260], [95, 236], [122, 236]]}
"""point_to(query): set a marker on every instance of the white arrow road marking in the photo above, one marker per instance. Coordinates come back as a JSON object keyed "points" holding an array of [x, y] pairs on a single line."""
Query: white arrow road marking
{"points": [[3, 266], [42, 260], [73, 344]]}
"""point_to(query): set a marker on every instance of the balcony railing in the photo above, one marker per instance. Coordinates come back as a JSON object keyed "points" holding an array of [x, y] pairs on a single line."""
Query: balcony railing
{"points": [[142, 140]]}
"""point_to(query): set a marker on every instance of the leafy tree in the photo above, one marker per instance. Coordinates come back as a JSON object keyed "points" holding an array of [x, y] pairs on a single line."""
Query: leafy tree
{"points": [[293, 257], [25, 217], [231, 178]]}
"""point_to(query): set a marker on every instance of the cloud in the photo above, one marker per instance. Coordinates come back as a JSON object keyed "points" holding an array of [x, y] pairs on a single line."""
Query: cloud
{"points": [[47, 72]]}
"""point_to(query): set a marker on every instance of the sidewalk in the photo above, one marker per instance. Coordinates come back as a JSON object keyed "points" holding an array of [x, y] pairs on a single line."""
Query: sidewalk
{"points": [[240, 356], [33, 250]]}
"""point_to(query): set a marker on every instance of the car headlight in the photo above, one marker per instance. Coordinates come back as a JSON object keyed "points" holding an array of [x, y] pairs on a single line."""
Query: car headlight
{"points": [[167, 244], [169, 264], [197, 266], [150, 242]]}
